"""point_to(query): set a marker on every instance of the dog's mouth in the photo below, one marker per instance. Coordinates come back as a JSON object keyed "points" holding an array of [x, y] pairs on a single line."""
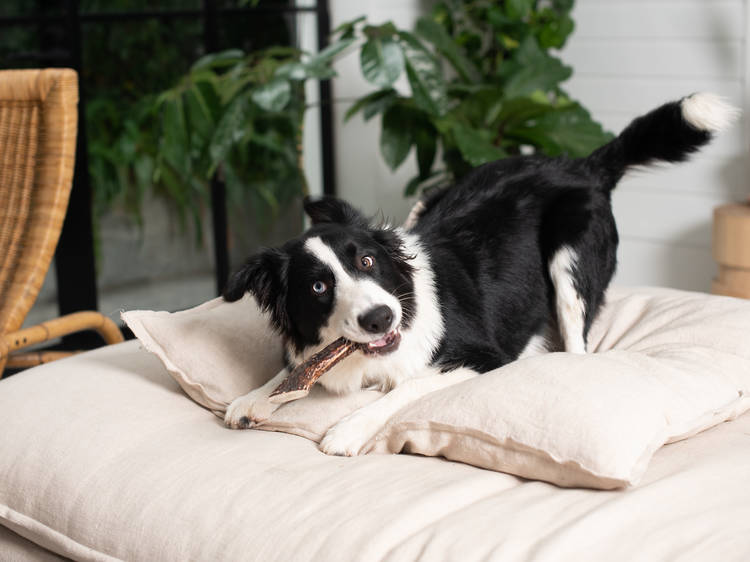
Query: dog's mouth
{"points": [[384, 345]]}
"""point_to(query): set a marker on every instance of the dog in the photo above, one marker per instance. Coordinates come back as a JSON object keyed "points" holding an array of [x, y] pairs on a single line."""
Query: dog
{"points": [[511, 262]]}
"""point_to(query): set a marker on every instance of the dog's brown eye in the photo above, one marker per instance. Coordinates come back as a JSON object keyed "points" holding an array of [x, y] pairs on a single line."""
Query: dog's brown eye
{"points": [[366, 262], [319, 288]]}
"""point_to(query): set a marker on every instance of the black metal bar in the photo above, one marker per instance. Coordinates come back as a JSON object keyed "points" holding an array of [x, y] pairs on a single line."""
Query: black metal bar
{"points": [[326, 106], [74, 258], [104, 17], [219, 220], [218, 189]]}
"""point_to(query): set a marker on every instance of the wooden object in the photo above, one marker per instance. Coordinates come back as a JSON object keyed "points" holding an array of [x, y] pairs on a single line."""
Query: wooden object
{"points": [[38, 126], [300, 380], [731, 250]]}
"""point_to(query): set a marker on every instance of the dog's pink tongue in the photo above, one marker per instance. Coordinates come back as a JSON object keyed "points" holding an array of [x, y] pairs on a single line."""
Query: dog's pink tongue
{"points": [[384, 341], [379, 343]]}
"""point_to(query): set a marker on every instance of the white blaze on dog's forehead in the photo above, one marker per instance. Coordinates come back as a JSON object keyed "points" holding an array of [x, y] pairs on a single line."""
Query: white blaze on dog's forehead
{"points": [[324, 253]]}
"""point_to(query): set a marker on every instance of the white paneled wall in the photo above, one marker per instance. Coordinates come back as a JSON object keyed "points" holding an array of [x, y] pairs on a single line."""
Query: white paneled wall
{"points": [[631, 55], [628, 56], [362, 176]]}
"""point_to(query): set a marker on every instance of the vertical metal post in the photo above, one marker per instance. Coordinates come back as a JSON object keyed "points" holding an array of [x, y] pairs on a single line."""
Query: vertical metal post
{"points": [[326, 106], [218, 189], [74, 258]]}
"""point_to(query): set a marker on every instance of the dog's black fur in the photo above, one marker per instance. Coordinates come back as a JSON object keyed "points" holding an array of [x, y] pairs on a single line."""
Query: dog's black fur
{"points": [[489, 241], [492, 237]]}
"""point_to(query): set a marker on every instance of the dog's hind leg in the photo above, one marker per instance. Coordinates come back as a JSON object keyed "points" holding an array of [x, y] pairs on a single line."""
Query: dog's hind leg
{"points": [[570, 306]]}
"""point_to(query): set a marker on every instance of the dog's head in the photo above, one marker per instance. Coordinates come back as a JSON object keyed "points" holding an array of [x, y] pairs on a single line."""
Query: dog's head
{"points": [[343, 277]]}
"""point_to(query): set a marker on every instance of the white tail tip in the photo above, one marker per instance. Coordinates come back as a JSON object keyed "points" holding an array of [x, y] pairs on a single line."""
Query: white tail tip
{"points": [[708, 112]]}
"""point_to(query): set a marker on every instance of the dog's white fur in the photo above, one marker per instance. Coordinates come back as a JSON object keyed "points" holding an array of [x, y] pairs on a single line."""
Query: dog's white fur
{"points": [[418, 342], [354, 296], [404, 373], [708, 112], [571, 309]]}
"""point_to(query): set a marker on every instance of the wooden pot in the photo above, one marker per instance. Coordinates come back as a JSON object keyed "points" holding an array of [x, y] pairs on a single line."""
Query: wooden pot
{"points": [[731, 250]]}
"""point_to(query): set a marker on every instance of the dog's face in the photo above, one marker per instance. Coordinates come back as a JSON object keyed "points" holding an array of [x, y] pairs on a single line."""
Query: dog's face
{"points": [[343, 277]]}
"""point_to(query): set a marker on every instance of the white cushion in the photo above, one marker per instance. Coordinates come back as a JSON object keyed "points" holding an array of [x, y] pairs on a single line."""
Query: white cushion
{"points": [[664, 364], [103, 457]]}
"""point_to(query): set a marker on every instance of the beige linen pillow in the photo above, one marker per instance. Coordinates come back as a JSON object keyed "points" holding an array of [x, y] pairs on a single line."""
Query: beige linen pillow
{"points": [[216, 351], [665, 365]]}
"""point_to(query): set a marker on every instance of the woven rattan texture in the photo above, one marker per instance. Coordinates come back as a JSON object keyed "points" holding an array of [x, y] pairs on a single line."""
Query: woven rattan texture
{"points": [[38, 120]]}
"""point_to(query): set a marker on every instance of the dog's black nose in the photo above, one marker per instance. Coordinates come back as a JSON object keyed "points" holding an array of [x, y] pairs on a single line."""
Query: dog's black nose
{"points": [[376, 320]]}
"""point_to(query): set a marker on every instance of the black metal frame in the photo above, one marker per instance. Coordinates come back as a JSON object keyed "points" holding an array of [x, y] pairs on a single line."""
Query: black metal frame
{"points": [[74, 258]]}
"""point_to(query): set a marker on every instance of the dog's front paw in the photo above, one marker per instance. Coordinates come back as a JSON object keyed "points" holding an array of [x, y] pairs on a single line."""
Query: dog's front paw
{"points": [[248, 411], [347, 437]]}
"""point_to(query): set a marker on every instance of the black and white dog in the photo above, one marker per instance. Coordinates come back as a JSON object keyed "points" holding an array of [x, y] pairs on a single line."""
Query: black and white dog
{"points": [[514, 261]]}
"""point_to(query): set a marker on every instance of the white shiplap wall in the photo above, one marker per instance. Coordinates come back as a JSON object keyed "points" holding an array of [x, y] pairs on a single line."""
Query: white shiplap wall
{"points": [[631, 55], [361, 175], [628, 56]]}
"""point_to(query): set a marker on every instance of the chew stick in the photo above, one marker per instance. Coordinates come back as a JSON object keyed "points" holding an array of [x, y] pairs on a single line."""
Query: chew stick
{"points": [[304, 375]]}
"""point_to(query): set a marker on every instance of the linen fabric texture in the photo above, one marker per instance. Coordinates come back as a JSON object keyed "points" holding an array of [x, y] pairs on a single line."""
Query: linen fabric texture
{"points": [[662, 366]]}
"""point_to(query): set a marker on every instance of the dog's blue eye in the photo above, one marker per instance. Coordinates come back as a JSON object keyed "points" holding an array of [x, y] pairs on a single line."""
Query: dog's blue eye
{"points": [[319, 288]]}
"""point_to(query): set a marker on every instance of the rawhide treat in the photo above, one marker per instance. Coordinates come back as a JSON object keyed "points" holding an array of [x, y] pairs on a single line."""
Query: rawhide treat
{"points": [[300, 380]]}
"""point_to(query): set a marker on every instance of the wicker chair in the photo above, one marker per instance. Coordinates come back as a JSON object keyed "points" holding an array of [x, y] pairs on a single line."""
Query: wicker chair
{"points": [[38, 124]]}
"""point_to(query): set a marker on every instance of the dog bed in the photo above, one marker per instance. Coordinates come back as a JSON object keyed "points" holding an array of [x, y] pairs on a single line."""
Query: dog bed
{"points": [[664, 365], [104, 457]]}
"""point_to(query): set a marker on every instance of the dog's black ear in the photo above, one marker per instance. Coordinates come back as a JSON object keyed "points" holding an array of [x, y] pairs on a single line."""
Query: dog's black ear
{"points": [[330, 209], [264, 276]]}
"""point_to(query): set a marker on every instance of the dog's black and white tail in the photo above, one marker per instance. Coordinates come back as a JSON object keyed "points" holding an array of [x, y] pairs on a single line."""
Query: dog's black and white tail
{"points": [[669, 133]]}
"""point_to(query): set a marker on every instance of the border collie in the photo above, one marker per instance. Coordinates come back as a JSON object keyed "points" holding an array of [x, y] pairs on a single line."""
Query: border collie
{"points": [[511, 262]]}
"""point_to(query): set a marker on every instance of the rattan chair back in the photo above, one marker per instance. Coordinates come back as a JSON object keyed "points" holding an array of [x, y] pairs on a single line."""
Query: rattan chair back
{"points": [[38, 125]]}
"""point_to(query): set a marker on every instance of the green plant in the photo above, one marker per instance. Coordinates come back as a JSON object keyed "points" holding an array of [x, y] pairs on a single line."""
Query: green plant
{"points": [[483, 83], [235, 114]]}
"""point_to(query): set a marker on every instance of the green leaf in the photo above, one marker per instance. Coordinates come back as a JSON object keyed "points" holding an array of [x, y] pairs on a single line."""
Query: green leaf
{"points": [[175, 145], [555, 32], [372, 104], [518, 9], [382, 61], [210, 98], [413, 186], [231, 128], [519, 110], [425, 76], [482, 106], [475, 145], [396, 135], [444, 43], [532, 69], [417, 183], [330, 52], [199, 115], [291, 71], [273, 96], [346, 29], [218, 60], [425, 138], [569, 131]]}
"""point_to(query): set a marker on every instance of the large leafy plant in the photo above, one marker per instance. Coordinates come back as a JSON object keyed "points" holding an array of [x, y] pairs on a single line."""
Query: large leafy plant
{"points": [[236, 116], [483, 85]]}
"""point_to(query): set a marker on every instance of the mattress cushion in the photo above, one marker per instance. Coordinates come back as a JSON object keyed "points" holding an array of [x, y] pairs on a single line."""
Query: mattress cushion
{"points": [[105, 458], [663, 365]]}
